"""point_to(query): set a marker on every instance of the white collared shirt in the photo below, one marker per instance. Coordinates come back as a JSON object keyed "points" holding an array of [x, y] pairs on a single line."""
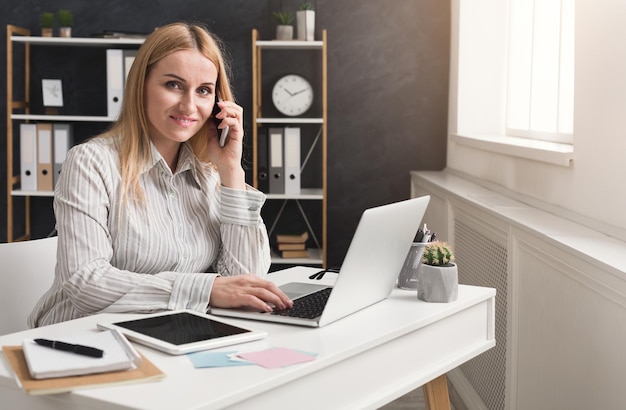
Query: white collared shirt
{"points": [[115, 257]]}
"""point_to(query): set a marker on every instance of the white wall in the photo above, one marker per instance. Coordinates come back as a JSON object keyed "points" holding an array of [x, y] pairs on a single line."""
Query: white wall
{"points": [[594, 185]]}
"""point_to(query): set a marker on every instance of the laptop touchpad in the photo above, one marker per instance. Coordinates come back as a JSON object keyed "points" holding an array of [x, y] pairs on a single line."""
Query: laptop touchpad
{"points": [[298, 289]]}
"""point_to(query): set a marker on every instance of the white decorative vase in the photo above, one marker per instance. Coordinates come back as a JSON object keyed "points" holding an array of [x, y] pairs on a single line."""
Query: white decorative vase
{"points": [[65, 32], [306, 24], [438, 284], [284, 32]]}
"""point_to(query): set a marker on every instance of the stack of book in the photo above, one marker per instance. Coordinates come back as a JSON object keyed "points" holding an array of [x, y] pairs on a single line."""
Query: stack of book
{"points": [[42, 366], [292, 246]]}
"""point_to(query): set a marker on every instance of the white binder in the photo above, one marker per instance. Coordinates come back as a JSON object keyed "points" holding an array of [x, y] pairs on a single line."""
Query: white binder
{"points": [[129, 59], [292, 160], [28, 157], [45, 172], [63, 139], [115, 81], [277, 180]]}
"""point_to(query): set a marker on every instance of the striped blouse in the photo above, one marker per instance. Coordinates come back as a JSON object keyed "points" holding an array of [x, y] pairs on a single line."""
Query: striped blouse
{"points": [[122, 257]]}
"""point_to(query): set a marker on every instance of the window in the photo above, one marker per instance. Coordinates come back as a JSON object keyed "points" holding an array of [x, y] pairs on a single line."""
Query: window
{"points": [[540, 84]]}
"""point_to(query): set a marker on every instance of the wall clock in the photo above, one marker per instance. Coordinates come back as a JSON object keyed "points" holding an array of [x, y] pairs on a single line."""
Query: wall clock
{"points": [[292, 95]]}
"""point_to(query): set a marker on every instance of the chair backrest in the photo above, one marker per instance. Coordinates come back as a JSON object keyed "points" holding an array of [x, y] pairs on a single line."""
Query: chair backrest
{"points": [[26, 273]]}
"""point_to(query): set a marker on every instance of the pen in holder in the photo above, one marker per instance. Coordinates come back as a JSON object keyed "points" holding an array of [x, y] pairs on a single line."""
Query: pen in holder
{"points": [[407, 279]]}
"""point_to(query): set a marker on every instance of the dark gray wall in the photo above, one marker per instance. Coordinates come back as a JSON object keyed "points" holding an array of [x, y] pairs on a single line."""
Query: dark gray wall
{"points": [[387, 86]]}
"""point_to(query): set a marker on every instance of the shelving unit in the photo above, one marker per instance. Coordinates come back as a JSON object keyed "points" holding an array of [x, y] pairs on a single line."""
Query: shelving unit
{"points": [[19, 35], [316, 256]]}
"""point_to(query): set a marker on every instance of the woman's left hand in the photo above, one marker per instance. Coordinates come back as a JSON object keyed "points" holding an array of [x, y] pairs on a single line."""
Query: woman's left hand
{"points": [[228, 158]]}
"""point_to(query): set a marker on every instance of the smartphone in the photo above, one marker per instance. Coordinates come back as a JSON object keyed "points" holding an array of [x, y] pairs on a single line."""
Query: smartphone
{"points": [[222, 133]]}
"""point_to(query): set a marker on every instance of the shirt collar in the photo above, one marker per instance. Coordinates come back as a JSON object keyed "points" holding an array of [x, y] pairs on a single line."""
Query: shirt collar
{"points": [[186, 162]]}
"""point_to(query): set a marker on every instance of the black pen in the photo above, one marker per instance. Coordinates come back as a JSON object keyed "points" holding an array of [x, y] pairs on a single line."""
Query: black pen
{"points": [[68, 347]]}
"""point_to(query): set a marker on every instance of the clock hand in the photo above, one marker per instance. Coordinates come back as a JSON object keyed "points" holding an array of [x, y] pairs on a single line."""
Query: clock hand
{"points": [[298, 92]]}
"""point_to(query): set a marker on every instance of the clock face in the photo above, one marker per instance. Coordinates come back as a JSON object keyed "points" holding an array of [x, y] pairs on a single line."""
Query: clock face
{"points": [[292, 95]]}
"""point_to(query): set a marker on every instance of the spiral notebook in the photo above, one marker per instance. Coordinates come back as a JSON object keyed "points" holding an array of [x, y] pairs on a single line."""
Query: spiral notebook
{"points": [[146, 372]]}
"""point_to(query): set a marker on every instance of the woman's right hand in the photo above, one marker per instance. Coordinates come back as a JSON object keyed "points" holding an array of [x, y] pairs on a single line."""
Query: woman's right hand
{"points": [[247, 290]]}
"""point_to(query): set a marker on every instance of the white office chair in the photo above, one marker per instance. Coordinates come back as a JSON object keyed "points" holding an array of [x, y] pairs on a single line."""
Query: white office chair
{"points": [[26, 273]]}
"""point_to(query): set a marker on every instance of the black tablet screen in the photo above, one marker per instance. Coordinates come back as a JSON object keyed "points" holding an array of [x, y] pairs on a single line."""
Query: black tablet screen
{"points": [[181, 328]]}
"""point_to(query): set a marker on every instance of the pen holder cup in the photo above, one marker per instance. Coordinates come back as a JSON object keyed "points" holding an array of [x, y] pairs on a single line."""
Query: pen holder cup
{"points": [[407, 279]]}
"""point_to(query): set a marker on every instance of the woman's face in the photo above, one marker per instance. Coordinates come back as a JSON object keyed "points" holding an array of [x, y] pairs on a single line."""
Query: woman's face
{"points": [[179, 96]]}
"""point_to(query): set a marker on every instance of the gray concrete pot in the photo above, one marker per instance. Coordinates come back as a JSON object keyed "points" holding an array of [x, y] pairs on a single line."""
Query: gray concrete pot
{"points": [[438, 283], [284, 32]]}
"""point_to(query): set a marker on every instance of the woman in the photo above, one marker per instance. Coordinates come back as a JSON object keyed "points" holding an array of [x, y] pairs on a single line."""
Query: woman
{"points": [[147, 208]]}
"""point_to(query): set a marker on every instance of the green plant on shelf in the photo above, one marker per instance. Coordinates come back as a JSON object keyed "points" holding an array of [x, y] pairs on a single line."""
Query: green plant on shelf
{"points": [[66, 18], [307, 5], [284, 18], [46, 20]]}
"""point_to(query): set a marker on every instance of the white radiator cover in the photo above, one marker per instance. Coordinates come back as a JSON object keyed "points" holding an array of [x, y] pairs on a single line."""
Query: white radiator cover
{"points": [[560, 304]]}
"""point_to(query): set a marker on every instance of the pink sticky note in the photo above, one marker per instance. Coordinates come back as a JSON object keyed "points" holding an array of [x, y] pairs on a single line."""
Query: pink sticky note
{"points": [[276, 357]]}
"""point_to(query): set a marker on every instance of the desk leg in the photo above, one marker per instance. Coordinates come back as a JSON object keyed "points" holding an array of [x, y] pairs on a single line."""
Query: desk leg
{"points": [[436, 394]]}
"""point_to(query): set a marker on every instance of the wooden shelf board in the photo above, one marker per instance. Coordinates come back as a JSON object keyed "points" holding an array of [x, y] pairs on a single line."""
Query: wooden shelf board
{"points": [[43, 117], [19, 192], [289, 45], [306, 193], [290, 120], [77, 41]]}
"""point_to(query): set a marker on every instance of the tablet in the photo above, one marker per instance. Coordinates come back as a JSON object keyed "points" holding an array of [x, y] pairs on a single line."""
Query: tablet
{"points": [[182, 331]]}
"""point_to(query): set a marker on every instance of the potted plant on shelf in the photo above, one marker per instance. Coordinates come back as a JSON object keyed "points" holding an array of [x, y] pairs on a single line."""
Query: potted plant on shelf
{"points": [[66, 21], [46, 21], [284, 30], [306, 21], [437, 278]]}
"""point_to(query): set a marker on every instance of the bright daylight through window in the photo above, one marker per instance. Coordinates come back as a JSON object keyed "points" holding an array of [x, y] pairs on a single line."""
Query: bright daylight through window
{"points": [[540, 88]]}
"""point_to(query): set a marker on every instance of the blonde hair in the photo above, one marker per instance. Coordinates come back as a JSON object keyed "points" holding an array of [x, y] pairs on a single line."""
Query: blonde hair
{"points": [[132, 125]]}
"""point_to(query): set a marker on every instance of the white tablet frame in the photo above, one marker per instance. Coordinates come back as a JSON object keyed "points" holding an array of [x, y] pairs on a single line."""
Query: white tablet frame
{"points": [[161, 345]]}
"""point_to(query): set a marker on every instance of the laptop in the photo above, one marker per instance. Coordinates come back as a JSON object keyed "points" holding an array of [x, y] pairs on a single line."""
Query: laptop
{"points": [[368, 274]]}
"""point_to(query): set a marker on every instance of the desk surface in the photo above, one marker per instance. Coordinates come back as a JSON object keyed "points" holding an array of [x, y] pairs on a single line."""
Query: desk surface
{"points": [[405, 342]]}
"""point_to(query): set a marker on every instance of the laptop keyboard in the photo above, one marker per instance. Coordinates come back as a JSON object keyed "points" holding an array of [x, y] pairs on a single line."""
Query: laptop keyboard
{"points": [[307, 307]]}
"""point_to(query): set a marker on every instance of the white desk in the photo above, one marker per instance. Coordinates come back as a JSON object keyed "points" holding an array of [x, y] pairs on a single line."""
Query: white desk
{"points": [[364, 361]]}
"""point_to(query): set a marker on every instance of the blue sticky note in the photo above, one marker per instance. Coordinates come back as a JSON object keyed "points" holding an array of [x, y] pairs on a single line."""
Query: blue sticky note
{"points": [[214, 359]]}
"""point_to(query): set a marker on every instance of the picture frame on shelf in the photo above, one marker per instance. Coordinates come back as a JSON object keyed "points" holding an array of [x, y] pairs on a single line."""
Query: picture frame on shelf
{"points": [[52, 92]]}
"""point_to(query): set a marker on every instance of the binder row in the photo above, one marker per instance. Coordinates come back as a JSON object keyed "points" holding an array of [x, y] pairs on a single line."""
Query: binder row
{"points": [[279, 161], [44, 146], [118, 65], [43, 149]]}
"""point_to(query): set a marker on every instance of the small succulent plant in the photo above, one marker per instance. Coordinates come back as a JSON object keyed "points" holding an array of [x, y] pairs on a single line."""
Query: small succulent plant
{"points": [[437, 254], [307, 5], [46, 19], [66, 18], [283, 17]]}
